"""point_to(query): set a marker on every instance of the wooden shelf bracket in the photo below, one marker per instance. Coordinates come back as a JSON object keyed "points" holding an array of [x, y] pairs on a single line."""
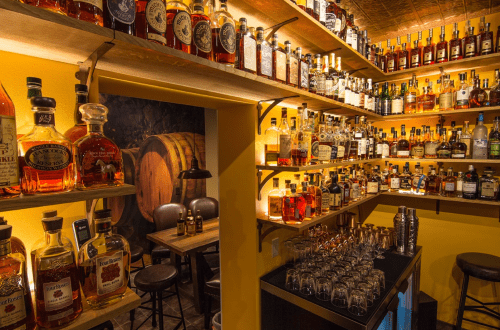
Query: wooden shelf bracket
{"points": [[276, 27], [263, 235], [262, 115], [262, 183], [86, 69]]}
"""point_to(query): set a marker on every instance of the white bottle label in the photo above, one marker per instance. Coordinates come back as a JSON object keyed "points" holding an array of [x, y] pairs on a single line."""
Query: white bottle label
{"points": [[12, 308], [362, 147], [250, 56], [488, 189], [110, 273], [460, 185], [354, 40], [486, 46], [340, 151], [9, 169], [403, 153], [395, 183], [342, 89], [397, 106], [463, 95], [325, 200], [372, 187], [385, 150], [281, 66], [325, 152], [355, 99], [469, 187], [480, 149], [285, 147], [322, 10], [348, 39], [347, 96], [58, 295], [294, 71], [267, 60], [449, 186]]}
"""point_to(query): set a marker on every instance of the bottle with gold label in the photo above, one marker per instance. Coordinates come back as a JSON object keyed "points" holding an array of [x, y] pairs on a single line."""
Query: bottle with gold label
{"points": [[179, 28], [98, 159], [45, 155], [151, 20], [9, 168], [190, 224], [104, 264], [223, 35]]}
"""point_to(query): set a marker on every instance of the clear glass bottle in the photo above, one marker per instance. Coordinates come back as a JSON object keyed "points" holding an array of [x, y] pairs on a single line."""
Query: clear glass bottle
{"points": [[104, 264], [488, 185], [480, 139], [271, 136], [449, 186], [462, 93], [80, 128], [460, 182], [470, 184], [494, 140], [56, 277], [223, 36], [285, 141], [15, 297], [320, 76], [98, 159], [466, 138], [45, 156], [274, 201], [190, 224], [418, 181]]}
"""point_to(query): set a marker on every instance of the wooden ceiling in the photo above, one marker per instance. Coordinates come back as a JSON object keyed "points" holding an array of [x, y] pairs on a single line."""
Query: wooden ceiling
{"points": [[391, 18]]}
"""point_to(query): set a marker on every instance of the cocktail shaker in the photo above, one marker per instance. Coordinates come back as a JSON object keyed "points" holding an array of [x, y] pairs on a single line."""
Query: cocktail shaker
{"points": [[401, 227], [412, 231]]}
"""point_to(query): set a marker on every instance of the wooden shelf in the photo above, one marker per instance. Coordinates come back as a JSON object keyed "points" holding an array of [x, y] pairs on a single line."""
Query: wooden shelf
{"points": [[311, 34], [314, 167], [93, 317], [442, 198], [26, 202], [449, 160], [262, 218], [480, 62], [440, 113]]}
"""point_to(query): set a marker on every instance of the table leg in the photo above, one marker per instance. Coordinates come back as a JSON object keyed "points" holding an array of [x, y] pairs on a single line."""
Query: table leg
{"points": [[175, 260], [198, 281]]}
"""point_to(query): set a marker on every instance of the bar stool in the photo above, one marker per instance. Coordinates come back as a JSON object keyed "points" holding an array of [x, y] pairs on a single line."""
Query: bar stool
{"points": [[482, 266], [136, 254], [154, 280], [212, 290]]}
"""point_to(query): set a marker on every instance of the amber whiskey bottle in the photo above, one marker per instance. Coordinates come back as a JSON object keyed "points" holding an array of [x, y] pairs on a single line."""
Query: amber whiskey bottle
{"points": [[264, 56], [303, 71], [179, 26], [9, 166], [246, 57], [403, 146], [80, 128], [392, 60], [470, 44], [223, 36], [56, 6], [88, 11], [404, 63], [429, 51], [442, 50], [201, 43], [456, 47], [279, 61], [292, 66], [119, 15], [486, 46], [416, 55]]}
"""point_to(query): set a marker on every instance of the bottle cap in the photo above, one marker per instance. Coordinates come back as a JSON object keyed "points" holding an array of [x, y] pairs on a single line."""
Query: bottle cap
{"points": [[51, 224], [34, 81], [102, 214], [402, 209], [43, 102], [5, 232], [49, 214], [79, 88], [94, 112]]}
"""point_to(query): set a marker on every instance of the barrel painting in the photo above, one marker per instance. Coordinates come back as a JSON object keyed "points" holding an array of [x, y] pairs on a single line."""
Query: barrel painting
{"points": [[160, 160]]}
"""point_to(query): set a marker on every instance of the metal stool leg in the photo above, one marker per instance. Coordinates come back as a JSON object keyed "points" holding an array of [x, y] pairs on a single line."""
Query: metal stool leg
{"points": [[208, 310], [180, 306], [461, 306], [153, 322], [160, 309]]}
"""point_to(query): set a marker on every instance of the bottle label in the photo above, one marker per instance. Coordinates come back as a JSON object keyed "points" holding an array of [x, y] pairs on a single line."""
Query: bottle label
{"points": [[182, 27], [406, 183], [182, 229], [416, 179], [271, 157], [445, 100], [470, 49], [428, 58], [250, 56], [227, 36], [346, 193], [329, 88], [348, 96], [308, 211], [322, 11], [385, 150], [317, 6], [449, 186], [354, 39], [9, 168], [444, 153], [304, 74], [320, 87], [355, 190], [95, 3], [58, 295], [390, 65], [294, 71], [12, 307], [463, 97], [369, 104], [355, 99], [342, 89], [480, 149], [335, 199], [285, 147], [395, 183], [457, 154], [466, 141], [123, 11], [348, 39], [156, 15], [455, 52], [441, 54], [325, 152], [157, 37], [310, 4], [362, 146], [333, 155], [372, 187], [397, 106], [325, 200], [494, 148], [486, 46], [415, 60], [384, 186], [48, 157], [431, 148], [330, 21], [403, 153], [460, 185], [338, 24], [202, 36], [340, 151], [418, 151], [315, 150], [386, 107], [402, 62], [280, 65], [469, 187], [488, 189], [110, 273]]}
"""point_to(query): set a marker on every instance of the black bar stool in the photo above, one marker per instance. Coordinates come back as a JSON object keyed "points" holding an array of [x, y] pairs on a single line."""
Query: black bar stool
{"points": [[482, 266], [136, 254], [154, 280], [212, 291]]}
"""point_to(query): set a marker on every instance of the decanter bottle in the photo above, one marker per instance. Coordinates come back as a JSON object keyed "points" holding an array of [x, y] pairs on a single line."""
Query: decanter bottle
{"points": [[104, 264], [99, 160], [45, 155], [57, 283]]}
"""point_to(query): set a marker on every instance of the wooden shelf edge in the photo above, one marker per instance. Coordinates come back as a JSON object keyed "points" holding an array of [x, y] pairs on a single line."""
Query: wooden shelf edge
{"points": [[26, 202], [449, 160], [442, 198], [440, 113], [315, 167]]}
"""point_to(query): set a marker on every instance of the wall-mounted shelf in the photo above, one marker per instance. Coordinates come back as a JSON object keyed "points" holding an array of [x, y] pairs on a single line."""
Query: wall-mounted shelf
{"points": [[440, 160], [485, 62], [26, 202], [440, 113]]}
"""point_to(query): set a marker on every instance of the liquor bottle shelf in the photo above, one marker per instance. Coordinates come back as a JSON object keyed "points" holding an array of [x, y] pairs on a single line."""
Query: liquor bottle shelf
{"points": [[315, 167], [484, 62], [440, 160], [441, 113], [26, 202], [312, 35], [443, 198], [93, 317]]}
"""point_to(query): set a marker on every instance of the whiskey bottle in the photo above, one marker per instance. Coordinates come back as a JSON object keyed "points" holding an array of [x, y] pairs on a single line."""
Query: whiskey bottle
{"points": [[9, 166], [190, 224], [462, 93], [292, 66], [98, 159], [449, 185], [181, 225], [446, 94], [104, 264], [271, 144], [456, 47], [418, 148], [442, 48], [88, 11], [309, 199], [470, 44], [45, 155], [394, 180], [201, 43], [397, 102], [335, 200], [403, 146], [198, 222], [315, 192], [488, 185], [56, 6], [223, 36], [415, 55], [279, 61], [16, 297], [119, 16], [444, 149], [486, 44], [285, 141], [382, 60], [392, 60], [494, 140], [459, 148], [477, 96], [80, 128], [330, 80], [293, 207], [495, 90], [433, 183], [386, 100], [179, 26], [151, 20], [405, 179], [246, 46], [410, 98], [56, 277], [404, 63], [418, 181], [431, 146], [264, 56], [320, 75], [274, 201], [373, 183], [303, 71], [470, 184], [429, 51]]}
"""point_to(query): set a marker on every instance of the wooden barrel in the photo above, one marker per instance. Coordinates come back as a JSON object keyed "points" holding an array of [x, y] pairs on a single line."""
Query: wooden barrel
{"points": [[124, 209], [160, 160]]}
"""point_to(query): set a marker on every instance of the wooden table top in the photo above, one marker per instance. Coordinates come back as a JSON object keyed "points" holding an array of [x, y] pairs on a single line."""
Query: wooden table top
{"points": [[182, 245]]}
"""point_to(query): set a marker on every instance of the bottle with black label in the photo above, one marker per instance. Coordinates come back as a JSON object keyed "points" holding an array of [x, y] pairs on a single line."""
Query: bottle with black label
{"points": [[335, 193], [201, 44], [179, 29], [223, 35], [198, 222], [151, 20], [45, 156], [181, 225], [119, 15]]}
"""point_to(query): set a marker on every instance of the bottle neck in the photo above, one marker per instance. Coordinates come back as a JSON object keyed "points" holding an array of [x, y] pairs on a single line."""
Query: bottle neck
{"points": [[95, 127], [103, 227], [53, 238], [5, 247], [81, 99]]}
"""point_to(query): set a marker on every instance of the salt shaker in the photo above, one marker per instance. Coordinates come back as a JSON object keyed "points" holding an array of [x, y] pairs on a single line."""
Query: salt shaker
{"points": [[412, 231], [401, 227]]}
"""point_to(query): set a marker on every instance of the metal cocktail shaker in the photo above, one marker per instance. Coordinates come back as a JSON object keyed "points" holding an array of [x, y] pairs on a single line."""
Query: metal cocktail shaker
{"points": [[401, 227], [412, 231]]}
